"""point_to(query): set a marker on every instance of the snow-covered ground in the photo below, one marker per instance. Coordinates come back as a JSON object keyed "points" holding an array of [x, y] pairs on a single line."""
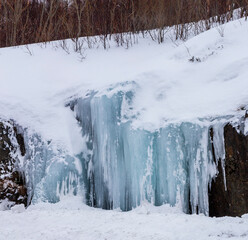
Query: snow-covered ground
{"points": [[36, 82], [71, 220]]}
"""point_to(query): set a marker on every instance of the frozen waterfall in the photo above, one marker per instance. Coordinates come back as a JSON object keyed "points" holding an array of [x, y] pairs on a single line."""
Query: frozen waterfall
{"points": [[121, 166]]}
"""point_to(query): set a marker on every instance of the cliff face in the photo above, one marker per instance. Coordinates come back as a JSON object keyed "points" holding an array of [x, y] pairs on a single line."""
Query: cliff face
{"points": [[234, 200], [12, 185]]}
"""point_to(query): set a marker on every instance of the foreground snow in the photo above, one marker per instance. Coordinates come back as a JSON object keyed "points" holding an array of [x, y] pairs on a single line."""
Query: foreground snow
{"points": [[60, 221]]}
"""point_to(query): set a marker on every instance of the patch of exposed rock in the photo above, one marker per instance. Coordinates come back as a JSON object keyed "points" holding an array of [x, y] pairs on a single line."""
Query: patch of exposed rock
{"points": [[232, 201], [12, 182]]}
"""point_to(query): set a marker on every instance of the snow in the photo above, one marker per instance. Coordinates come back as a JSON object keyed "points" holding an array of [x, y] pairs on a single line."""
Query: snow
{"points": [[34, 87], [37, 81], [18, 208], [53, 222]]}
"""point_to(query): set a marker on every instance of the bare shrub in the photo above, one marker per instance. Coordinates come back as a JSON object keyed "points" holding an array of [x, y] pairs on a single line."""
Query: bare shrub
{"points": [[33, 21]]}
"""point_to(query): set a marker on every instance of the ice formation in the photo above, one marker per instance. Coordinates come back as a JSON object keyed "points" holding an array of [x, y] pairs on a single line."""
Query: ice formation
{"points": [[50, 173], [121, 166]]}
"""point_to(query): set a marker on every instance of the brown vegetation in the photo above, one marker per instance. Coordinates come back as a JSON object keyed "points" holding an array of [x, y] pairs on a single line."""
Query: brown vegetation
{"points": [[32, 21]]}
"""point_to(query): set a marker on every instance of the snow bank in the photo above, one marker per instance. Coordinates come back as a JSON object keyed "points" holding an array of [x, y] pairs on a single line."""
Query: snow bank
{"points": [[52, 222]]}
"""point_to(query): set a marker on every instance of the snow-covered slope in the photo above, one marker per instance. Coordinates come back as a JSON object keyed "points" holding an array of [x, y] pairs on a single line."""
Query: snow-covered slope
{"points": [[34, 88]]}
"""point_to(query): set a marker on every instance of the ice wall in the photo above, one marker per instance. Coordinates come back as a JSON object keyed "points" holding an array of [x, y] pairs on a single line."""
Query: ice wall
{"points": [[49, 171], [123, 166]]}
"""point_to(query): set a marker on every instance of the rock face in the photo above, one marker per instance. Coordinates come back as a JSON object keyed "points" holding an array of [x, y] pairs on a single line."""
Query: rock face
{"points": [[12, 185], [234, 200]]}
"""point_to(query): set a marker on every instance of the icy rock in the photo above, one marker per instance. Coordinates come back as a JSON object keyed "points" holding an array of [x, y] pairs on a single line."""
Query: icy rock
{"points": [[232, 201], [12, 150]]}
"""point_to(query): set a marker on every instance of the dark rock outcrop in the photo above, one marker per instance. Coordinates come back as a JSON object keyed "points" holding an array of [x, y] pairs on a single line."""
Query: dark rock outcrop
{"points": [[234, 200], [12, 184]]}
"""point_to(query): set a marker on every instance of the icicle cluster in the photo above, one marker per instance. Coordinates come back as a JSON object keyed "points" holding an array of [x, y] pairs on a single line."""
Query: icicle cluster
{"points": [[121, 166], [50, 173]]}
